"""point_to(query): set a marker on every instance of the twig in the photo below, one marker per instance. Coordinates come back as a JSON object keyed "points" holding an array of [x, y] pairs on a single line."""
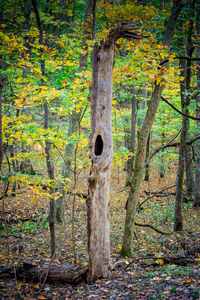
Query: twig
{"points": [[162, 148], [61, 155], [167, 260], [167, 188], [152, 227], [181, 57], [140, 258], [15, 274], [47, 273], [168, 145]]}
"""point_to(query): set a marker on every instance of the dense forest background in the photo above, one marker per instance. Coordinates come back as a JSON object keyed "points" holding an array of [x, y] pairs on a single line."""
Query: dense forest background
{"points": [[47, 67]]}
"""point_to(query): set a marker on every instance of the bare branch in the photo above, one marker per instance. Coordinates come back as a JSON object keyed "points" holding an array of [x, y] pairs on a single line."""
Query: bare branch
{"points": [[152, 227], [162, 147], [176, 109]]}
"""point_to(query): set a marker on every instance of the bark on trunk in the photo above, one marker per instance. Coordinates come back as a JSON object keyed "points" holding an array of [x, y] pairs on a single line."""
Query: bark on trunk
{"points": [[188, 152], [184, 86], [65, 273], [147, 168], [1, 140], [129, 164], [197, 171], [100, 152], [162, 162], [142, 142], [189, 172], [89, 30], [138, 171], [66, 169], [178, 223]]}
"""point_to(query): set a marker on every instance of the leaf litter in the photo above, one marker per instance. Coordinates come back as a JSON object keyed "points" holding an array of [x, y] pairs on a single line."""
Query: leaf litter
{"points": [[147, 275]]}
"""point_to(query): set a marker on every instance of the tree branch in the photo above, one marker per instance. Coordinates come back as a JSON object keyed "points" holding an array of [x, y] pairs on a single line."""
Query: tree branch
{"points": [[168, 145], [180, 57], [162, 147], [152, 227], [177, 110]]}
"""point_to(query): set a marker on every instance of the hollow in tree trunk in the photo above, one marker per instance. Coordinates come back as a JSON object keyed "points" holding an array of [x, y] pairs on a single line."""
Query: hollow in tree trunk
{"points": [[101, 151]]}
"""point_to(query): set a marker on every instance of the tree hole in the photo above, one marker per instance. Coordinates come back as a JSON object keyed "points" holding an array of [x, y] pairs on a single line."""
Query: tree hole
{"points": [[98, 148]]}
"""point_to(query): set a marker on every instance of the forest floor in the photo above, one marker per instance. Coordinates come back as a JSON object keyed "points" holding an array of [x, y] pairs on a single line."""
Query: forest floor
{"points": [[152, 272]]}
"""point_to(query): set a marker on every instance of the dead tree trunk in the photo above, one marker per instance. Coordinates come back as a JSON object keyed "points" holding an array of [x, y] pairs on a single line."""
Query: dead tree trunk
{"points": [[101, 151]]}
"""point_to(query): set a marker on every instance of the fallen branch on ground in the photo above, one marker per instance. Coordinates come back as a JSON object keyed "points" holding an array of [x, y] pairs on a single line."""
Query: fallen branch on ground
{"points": [[150, 197], [180, 260], [65, 273], [152, 227]]}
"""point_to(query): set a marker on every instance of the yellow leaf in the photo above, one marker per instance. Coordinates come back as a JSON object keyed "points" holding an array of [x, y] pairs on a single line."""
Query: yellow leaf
{"points": [[160, 261], [19, 285], [197, 259], [36, 286], [119, 246]]}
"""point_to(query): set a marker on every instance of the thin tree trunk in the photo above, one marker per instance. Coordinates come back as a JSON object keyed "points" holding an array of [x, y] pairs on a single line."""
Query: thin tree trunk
{"points": [[162, 163], [138, 171], [178, 222], [189, 171], [144, 96], [89, 29], [142, 141], [89, 25], [49, 159], [130, 161], [197, 171], [66, 169], [1, 139], [117, 145], [188, 152], [184, 86], [147, 168]]}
